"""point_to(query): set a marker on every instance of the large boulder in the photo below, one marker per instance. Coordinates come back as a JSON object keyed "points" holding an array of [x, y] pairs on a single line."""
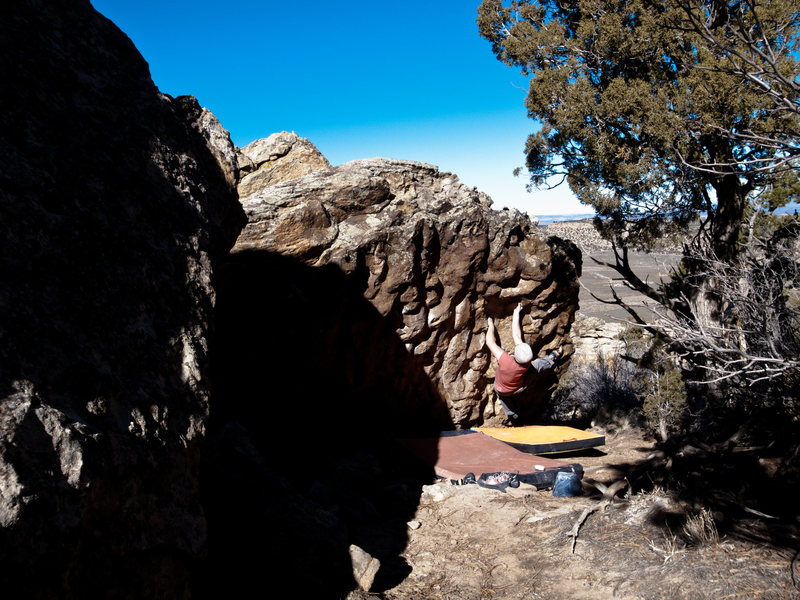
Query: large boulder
{"points": [[351, 312], [433, 259], [115, 203]]}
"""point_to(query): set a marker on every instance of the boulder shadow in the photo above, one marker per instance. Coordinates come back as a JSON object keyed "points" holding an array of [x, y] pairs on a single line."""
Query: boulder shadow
{"points": [[750, 492], [310, 387]]}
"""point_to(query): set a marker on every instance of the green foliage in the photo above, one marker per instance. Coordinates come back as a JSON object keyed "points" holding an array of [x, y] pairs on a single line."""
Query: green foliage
{"points": [[659, 384], [784, 190], [641, 111], [664, 401]]}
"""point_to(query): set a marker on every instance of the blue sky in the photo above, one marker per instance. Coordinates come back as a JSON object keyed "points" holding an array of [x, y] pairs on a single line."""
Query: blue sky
{"points": [[410, 80]]}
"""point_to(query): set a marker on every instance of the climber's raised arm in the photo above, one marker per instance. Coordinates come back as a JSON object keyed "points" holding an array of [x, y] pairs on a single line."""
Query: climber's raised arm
{"points": [[491, 342], [516, 328]]}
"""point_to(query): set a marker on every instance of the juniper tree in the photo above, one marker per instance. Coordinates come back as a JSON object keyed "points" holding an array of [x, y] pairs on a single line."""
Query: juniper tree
{"points": [[644, 112], [658, 114]]}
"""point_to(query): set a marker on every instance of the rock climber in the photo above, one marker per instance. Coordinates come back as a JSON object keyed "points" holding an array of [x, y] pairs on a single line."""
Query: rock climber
{"points": [[509, 379]]}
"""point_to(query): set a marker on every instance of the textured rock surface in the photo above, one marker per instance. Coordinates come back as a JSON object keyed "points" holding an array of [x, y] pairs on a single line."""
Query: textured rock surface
{"points": [[113, 209], [595, 339], [433, 259], [277, 158]]}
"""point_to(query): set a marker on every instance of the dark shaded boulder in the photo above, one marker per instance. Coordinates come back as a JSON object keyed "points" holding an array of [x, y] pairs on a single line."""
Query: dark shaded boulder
{"points": [[301, 460], [114, 208]]}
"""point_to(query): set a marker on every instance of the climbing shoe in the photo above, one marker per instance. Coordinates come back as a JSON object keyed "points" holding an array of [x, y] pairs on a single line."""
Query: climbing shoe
{"points": [[467, 479], [498, 481]]}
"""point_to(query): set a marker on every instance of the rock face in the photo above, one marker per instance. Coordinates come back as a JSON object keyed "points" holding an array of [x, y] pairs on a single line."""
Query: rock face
{"points": [[113, 210], [596, 340], [431, 258], [352, 311]]}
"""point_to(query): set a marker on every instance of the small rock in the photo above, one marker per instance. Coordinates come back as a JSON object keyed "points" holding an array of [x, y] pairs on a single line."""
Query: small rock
{"points": [[365, 567], [437, 491], [414, 524]]}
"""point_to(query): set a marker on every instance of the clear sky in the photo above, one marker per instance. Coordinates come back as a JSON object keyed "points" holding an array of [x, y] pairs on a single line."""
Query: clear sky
{"points": [[409, 80]]}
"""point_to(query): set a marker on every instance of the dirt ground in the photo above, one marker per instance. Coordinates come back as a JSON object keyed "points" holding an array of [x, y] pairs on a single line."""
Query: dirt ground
{"points": [[471, 542]]}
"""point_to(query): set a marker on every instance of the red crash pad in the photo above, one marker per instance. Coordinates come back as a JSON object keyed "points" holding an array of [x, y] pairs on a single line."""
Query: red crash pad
{"points": [[454, 454]]}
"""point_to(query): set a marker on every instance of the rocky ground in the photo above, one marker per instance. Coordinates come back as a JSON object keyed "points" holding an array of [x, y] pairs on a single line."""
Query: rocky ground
{"points": [[471, 542]]}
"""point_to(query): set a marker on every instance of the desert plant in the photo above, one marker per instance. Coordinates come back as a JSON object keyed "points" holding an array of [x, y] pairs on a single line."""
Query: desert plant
{"points": [[603, 391], [664, 402], [701, 529]]}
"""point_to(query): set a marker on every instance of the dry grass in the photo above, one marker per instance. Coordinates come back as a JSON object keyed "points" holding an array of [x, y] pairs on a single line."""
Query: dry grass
{"points": [[669, 548], [700, 529]]}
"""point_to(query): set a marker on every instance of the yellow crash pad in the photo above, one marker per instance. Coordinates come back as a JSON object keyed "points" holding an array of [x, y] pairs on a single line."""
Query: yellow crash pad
{"points": [[544, 439]]}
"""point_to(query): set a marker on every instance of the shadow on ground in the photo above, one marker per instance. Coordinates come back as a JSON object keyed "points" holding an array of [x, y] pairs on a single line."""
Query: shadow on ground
{"points": [[750, 490], [311, 385]]}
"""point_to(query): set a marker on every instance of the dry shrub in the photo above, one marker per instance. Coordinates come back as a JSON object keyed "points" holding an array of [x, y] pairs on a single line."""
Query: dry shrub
{"points": [[701, 529], [664, 399], [600, 393]]}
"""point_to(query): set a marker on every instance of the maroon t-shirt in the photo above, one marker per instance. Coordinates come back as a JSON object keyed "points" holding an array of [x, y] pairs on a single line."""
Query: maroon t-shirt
{"points": [[508, 378]]}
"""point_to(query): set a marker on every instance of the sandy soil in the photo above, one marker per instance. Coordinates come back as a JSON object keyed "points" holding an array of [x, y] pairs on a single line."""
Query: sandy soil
{"points": [[471, 542]]}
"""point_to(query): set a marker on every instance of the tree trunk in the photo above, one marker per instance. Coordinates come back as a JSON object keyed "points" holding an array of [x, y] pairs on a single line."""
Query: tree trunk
{"points": [[726, 223], [723, 243]]}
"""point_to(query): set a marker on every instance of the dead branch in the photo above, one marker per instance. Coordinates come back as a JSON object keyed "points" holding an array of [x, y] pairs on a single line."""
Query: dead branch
{"points": [[584, 515], [609, 492], [742, 325]]}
